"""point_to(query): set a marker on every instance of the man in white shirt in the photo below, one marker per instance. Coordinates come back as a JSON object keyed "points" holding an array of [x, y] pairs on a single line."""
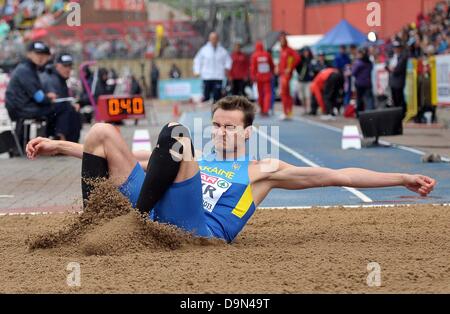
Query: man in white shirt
{"points": [[212, 63]]}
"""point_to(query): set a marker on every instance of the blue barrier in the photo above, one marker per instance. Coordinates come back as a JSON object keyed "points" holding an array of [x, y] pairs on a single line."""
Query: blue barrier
{"points": [[180, 89]]}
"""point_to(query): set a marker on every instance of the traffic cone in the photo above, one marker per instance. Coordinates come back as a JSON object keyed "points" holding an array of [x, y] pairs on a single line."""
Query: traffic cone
{"points": [[141, 140], [351, 137], [176, 111]]}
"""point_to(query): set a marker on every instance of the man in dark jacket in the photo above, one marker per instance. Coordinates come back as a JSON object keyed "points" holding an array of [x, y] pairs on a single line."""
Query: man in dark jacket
{"points": [[25, 97], [154, 79], [102, 87], [397, 75], [320, 63], [65, 123]]}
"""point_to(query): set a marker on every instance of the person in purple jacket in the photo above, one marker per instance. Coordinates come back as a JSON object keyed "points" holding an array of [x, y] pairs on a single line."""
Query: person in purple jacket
{"points": [[362, 71]]}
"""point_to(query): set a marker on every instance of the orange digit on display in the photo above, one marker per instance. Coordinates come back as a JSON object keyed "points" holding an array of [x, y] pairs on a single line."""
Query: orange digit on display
{"points": [[125, 104], [138, 105], [113, 107]]}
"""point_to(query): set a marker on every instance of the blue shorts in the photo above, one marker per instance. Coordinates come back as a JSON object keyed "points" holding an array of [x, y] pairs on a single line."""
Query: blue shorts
{"points": [[182, 204]]}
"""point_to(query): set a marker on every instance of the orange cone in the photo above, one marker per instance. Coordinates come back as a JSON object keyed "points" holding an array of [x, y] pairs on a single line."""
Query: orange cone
{"points": [[176, 111]]}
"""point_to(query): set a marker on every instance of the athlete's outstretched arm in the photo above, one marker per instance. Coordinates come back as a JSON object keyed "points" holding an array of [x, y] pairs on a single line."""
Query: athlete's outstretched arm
{"points": [[291, 177], [42, 146]]}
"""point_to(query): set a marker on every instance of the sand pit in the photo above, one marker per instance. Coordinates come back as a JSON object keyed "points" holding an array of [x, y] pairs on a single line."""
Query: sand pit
{"points": [[293, 251], [110, 226]]}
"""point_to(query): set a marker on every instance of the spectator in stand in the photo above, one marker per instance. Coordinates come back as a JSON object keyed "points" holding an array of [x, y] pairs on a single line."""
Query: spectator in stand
{"points": [[397, 75], [342, 59], [320, 63], [175, 72], [374, 54], [441, 43], [362, 71], [353, 53], [289, 59], [305, 75], [415, 48], [342, 62], [102, 87], [154, 79], [4, 29], [261, 71], [135, 88], [239, 70]]}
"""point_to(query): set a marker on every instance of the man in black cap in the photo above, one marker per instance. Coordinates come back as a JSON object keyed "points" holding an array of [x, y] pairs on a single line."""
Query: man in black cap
{"points": [[65, 122], [397, 75], [25, 97]]}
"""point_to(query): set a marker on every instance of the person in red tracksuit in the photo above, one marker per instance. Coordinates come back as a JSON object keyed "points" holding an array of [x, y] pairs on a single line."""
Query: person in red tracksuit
{"points": [[261, 71], [289, 59], [239, 70], [327, 91]]}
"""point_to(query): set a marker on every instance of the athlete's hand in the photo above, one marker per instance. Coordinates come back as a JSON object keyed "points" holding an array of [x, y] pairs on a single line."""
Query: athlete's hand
{"points": [[41, 146], [420, 184]]}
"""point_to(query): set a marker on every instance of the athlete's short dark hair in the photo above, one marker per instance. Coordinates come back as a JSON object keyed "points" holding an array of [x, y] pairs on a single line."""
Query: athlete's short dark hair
{"points": [[237, 103]]}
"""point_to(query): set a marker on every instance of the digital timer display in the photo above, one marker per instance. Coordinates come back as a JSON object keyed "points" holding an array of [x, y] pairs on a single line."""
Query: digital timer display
{"points": [[127, 106]]}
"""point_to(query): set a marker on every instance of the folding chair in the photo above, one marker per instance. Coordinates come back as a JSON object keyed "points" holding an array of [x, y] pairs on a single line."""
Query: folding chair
{"points": [[8, 137]]}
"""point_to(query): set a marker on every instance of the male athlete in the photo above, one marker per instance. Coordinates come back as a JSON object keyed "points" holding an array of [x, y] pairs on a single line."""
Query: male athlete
{"points": [[214, 196]]}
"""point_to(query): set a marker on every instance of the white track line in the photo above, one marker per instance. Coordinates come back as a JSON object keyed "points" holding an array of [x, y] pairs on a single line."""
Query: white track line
{"points": [[6, 196], [310, 163], [36, 214], [351, 206], [263, 208], [338, 130]]}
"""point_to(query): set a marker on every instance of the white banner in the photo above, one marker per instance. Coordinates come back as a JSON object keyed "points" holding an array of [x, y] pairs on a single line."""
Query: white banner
{"points": [[4, 117], [380, 79], [443, 79], [4, 80]]}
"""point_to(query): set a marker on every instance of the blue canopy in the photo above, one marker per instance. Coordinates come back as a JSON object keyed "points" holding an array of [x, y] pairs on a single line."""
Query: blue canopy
{"points": [[343, 34]]}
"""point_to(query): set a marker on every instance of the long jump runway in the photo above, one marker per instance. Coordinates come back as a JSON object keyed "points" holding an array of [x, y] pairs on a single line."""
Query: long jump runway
{"points": [[303, 142]]}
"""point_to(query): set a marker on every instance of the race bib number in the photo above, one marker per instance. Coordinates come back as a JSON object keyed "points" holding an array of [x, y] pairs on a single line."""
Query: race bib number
{"points": [[213, 189], [263, 68]]}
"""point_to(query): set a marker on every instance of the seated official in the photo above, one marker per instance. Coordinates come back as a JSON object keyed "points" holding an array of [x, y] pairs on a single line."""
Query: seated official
{"points": [[65, 123], [25, 97]]}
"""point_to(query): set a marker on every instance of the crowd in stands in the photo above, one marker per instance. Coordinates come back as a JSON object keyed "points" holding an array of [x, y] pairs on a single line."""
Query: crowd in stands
{"points": [[429, 34], [28, 14], [17, 20]]}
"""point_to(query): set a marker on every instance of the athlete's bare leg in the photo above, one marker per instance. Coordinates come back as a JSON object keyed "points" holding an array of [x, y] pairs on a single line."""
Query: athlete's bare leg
{"points": [[104, 140]]}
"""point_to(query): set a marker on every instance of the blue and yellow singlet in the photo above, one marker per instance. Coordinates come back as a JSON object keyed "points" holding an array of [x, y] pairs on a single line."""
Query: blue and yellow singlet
{"points": [[227, 195]]}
